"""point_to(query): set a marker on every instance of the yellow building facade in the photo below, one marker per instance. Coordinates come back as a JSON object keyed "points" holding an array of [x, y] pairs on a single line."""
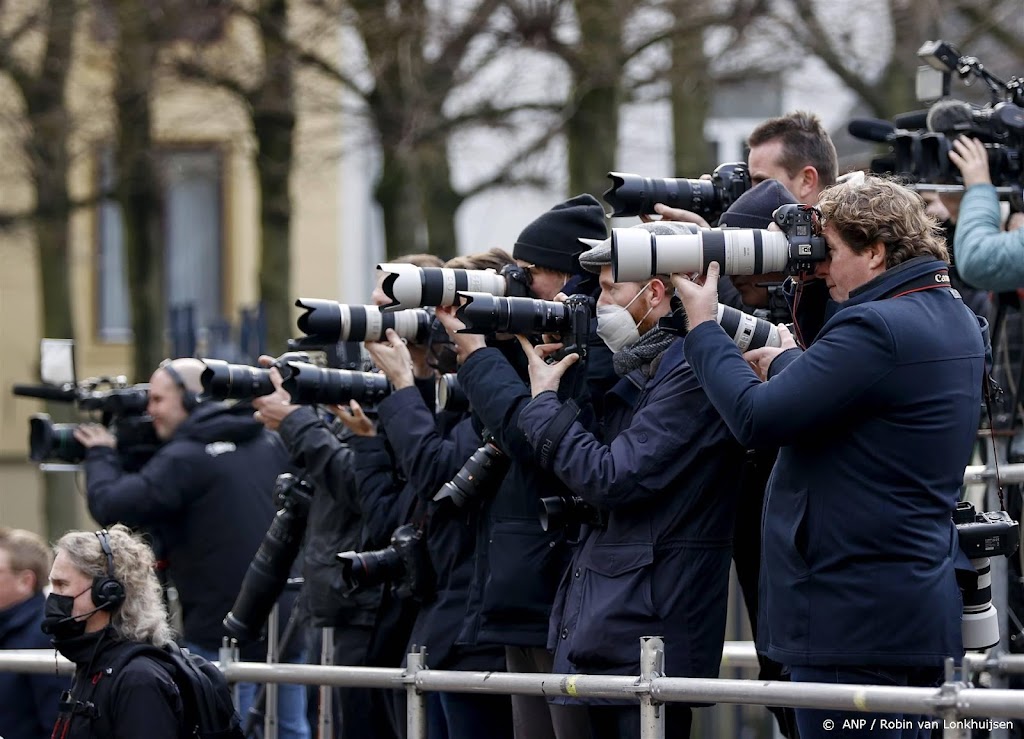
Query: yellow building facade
{"points": [[207, 150]]}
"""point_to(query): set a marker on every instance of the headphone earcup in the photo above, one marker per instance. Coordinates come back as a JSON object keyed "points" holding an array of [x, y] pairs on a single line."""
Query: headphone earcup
{"points": [[107, 592], [189, 400]]}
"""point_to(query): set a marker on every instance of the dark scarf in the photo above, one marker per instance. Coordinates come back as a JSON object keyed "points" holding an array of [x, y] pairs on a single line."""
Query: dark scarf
{"points": [[643, 352]]}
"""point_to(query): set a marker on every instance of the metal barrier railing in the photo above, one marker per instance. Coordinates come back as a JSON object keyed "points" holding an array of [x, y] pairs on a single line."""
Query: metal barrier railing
{"points": [[952, 701]]}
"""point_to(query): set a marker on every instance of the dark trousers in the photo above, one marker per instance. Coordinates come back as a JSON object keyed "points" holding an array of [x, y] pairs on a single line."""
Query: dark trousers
{"points": [[746, 555], [623, 722], [533, 717], [827, 724]]}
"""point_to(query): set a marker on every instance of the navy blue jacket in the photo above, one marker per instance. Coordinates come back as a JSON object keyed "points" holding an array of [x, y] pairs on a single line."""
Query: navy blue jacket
{"points": [[665, 468], [876, 420], [517, 565], [29, 701], [208, 495], [429, 458]]}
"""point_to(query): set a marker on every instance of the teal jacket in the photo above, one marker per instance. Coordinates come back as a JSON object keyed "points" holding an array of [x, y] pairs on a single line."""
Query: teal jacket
{"points": [[987, 257]]}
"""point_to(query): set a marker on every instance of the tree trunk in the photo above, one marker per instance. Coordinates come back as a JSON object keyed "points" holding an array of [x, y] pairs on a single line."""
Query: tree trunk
{"points": [[395, 193], [439, 199], [593, 127], [137, 189], [690, 86], [273, 120]]}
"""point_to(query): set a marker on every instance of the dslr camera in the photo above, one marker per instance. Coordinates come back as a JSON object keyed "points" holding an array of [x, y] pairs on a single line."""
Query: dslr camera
{"points": [[638, 254], [982, 536], [633, 195], [405, 563]]}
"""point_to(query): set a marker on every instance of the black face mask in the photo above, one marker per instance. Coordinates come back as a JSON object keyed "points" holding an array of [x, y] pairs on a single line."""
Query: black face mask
{"points": [[57, 619]]}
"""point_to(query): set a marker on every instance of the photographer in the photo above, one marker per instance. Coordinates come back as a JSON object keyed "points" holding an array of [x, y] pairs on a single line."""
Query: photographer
{"points": [[858, 583], [207, 497], [517, 565], [986, 256], [667, 490]]}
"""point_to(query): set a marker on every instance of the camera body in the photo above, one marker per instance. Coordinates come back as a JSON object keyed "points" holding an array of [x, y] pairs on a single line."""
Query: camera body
{"points": [[405, 563], [633, 195], [982, 536]]}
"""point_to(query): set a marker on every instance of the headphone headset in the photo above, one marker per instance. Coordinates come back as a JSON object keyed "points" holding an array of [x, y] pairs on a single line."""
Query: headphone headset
{"points": [[189, 398], [107, 591]]}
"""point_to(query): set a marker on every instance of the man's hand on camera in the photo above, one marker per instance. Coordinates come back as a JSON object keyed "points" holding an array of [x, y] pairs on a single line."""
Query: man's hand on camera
{"points": [[274, 408], [970, 157], [699, 300], [392, 357], [761, 359], [675, 214], [544, 376], [353, 418], [465, 344], [92, 435]]}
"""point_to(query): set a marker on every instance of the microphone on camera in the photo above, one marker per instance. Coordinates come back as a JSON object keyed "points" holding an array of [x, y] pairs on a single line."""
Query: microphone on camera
{"points": [[871, 129], [951, 117]]}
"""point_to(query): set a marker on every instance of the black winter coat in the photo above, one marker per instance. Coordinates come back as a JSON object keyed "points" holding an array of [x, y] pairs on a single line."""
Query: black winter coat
{"points": [[141, 701], [208, 496], [336, 521], [29, 702]]}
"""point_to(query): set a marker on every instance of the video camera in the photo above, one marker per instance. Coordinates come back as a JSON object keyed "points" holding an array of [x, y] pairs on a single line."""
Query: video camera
{"points": [[633, 195], [483, 313], [982, 536], [268, 572], [121, 408], [920, 142], [327, 322], [409, 286]]}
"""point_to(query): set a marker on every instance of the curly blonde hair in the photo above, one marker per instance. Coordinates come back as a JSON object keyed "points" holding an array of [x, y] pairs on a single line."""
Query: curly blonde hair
{"points": [[143, 616], [880, 209]]}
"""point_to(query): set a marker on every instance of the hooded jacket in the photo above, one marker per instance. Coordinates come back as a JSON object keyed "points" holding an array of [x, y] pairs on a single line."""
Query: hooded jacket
{"points": [[208, 497]]}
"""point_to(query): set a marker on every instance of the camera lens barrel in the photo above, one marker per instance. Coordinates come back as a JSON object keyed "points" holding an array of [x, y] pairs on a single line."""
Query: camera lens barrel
{"points": [[483, 314], [409, 286], [310, 385], [223, 381], [449, 395], [633, 195], [747, 332], [326, 322], [638, 254], [49, 442]]}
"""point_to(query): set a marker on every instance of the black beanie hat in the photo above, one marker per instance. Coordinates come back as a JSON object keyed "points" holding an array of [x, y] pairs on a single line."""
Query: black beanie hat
{"points": [[552, 240], [754, 208]]}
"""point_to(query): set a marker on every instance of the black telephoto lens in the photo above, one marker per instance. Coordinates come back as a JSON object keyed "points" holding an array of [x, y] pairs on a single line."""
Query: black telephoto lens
{"points": [[484, 314], [224, 381], [310, 385], [487, 464], [53, 442], [268, 572], [633, 195]]}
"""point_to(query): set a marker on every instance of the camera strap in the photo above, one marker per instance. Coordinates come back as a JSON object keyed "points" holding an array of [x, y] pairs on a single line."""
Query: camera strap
{"points": [[554, 432]]}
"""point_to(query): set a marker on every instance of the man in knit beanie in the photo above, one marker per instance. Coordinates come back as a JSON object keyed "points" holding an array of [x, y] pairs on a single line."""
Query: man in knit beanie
{"points": [[549, 247]]}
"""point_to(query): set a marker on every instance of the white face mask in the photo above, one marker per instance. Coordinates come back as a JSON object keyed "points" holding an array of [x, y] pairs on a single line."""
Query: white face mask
{"points": [[615, 325]]}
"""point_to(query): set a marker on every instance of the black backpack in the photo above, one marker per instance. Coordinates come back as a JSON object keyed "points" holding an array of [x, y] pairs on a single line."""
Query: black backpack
{"points": [[205, 695]]}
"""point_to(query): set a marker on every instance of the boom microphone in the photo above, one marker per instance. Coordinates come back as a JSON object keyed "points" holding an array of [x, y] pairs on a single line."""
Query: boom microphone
{"points": [[871, 129]]}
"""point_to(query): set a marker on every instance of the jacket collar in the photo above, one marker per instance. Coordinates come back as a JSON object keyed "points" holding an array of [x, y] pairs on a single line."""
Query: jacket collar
{"points": [[893, 278], [22, 614]]}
